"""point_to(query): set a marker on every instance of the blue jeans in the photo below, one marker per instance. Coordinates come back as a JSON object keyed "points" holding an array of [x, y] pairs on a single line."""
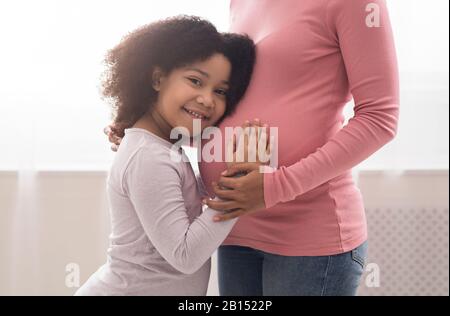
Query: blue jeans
{"points": [[245, 271]]}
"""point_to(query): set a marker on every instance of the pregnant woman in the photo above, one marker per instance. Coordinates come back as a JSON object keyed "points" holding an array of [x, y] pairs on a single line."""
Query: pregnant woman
{"points": [[312, 56], [302, 228]]}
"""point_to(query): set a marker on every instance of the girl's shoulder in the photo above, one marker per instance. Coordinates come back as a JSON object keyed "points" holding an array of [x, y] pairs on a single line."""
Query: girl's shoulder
{"points": [[149, 149], [140, 155]]}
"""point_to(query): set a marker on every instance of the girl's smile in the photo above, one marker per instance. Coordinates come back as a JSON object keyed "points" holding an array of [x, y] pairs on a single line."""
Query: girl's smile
{"points": [[196, 114]]}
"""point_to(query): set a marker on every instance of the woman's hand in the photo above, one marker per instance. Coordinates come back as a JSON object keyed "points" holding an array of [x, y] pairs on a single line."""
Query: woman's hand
{"points": [[243, 195], [112, 137]]}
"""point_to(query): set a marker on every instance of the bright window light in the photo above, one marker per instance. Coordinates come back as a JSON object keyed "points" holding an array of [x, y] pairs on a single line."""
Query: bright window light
{"points": [[51, 114]]}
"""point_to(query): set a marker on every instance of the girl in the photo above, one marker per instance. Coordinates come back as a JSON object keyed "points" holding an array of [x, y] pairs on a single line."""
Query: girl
{"points": [[164, 76]]}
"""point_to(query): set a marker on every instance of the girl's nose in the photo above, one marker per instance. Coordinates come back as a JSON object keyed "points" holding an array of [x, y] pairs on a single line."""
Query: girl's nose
{"points": [[206, 100]]}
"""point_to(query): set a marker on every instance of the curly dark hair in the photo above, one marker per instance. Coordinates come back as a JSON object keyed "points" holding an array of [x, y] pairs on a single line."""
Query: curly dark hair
{"points": [[169, 44]]}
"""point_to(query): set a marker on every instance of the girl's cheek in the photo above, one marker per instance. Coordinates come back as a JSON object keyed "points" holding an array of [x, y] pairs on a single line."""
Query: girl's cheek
{"points": [[222, 110]]}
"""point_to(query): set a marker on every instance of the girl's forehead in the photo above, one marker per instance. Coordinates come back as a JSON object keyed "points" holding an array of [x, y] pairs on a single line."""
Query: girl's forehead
{"points": [[216, 65]]}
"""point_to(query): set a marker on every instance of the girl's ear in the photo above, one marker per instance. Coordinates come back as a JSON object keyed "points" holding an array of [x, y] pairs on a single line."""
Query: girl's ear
{"points": [[157, 78]]}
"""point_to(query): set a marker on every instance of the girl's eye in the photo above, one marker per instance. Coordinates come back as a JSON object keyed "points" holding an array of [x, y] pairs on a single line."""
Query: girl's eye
{"points": [[195, 81], [222, 92]]}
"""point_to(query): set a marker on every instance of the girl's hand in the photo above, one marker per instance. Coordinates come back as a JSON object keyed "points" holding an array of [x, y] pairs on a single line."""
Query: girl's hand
{"points": [[240, 196], [252, 145], [112, 137]]}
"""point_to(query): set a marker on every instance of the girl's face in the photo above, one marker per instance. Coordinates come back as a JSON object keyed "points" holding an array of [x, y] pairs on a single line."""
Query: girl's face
{"points": [[197, 91]]}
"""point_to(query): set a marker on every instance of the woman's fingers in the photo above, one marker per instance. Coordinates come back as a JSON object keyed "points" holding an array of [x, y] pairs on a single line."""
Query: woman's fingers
{"points": [[256, 129], [262, 146], [270, 146], [252, 143], [242, 136], [228, 182], [230, 150], [114, 139], [222, 193], [221, 205], [107, 130], [229, 215]]}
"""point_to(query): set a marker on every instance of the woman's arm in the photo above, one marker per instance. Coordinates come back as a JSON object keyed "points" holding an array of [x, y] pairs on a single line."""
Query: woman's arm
{"points": [[153, 183], [371, 65]]}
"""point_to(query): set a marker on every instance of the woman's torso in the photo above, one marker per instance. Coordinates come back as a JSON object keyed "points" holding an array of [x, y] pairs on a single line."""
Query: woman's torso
{"points": [[299, 86]]}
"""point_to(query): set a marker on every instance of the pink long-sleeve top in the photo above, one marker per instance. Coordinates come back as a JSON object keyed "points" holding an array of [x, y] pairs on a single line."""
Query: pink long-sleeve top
{"points": [[313, 56]]}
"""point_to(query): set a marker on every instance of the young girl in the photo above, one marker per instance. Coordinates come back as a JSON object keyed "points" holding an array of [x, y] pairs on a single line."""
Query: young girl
{"points": [[164, 76]]}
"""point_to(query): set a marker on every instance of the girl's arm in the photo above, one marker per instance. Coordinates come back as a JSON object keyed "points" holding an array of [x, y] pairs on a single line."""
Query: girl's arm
{"points": [[153, 183]]}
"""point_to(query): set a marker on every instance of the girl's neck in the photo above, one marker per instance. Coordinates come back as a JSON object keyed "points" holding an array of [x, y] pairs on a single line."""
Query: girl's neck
{"points": [[154, 123]]}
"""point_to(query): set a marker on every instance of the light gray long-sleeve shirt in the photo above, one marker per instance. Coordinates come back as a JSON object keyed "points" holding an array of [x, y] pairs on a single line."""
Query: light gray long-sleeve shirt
{"points": [[161, 241]]}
